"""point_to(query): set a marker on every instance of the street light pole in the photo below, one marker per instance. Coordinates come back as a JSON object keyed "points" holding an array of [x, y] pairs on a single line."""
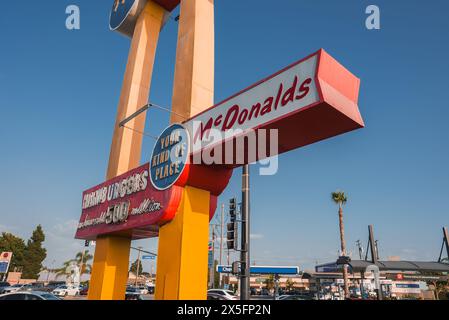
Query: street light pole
{"points": [[221, 231], [82, 262], [138, 267], [212, 273], [221, 242], [244, 255], [51, 269]]}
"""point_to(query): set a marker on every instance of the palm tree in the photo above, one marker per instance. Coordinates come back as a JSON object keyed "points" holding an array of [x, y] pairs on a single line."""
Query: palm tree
{"points": [[64, 270], [340, 199], [82, 259]]}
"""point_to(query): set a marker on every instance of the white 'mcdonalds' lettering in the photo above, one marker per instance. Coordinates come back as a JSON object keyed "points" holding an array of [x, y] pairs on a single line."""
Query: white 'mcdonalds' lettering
{"points": [[73, 21], [265, 102], [373, 20]]}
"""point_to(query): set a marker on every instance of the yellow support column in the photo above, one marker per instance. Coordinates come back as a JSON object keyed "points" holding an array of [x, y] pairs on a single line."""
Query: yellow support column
{"points": [[183, 251], [183, 242], [127, 144], [193, 88], [110, 268]]}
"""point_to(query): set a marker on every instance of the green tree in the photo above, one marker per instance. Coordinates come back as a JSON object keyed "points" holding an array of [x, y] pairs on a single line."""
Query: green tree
{"points": [[16, 245], [34, 255], [340, 199], [133, 268], [269, 282], [289, 285]]}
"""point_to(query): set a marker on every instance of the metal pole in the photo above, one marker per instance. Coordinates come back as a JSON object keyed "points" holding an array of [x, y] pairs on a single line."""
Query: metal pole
{"points": [[446, 240], [221, 243], [138, 267], [377, 249], [81, 263], [372, 244], [362, 289], [276, 286], [359, 246], [221, 236], [245, 252], [213, 259]]}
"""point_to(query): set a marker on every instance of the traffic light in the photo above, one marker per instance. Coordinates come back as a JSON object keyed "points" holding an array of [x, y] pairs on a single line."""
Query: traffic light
{"points": [[232, 209], [231, 235]]}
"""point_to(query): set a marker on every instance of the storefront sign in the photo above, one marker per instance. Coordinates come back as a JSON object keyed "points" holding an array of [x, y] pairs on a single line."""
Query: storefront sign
{"points": [[5, 259], [310, 100], [127, 202]]}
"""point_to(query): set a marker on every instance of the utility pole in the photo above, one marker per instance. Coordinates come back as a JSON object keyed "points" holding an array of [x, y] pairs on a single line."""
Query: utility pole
{"points": [[212, 269], [50, 270], [138, 266], [359, 246], [152, 271], [377, 249], [221, 242], [372, 244], [446, 240], [221, 231], [445, 243], [245, 250]]}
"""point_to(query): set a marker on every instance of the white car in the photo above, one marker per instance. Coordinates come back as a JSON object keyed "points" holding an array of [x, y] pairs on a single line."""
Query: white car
{"points": [[28, 295], [143, 290], [15, 288], [228, 294], [64, 291]]}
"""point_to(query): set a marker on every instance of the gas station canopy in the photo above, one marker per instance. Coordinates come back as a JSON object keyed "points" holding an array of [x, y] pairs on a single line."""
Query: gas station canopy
{"points": [[418, 266]]}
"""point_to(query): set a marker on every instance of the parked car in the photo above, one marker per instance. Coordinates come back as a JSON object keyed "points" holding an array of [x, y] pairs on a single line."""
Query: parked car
{"points": [[132, 293], [143, 289], [151, 289], [84, 291], [226, 293], [3, 285], [295, 297], [52, 286], [64, 291], [15, 288], [36, 286], [217, 296], [28, 295]]}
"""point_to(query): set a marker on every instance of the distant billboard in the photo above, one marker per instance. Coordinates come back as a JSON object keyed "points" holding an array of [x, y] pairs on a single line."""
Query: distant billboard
{"points": [[5, 259]]}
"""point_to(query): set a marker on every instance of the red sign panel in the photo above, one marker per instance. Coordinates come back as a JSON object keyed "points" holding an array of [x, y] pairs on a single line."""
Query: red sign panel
{"points": [[127, 204], [308, 101]]}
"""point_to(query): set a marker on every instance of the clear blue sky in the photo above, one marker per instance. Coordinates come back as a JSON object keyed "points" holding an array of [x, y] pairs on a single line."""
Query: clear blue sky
{"points": [[59, 91]]}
